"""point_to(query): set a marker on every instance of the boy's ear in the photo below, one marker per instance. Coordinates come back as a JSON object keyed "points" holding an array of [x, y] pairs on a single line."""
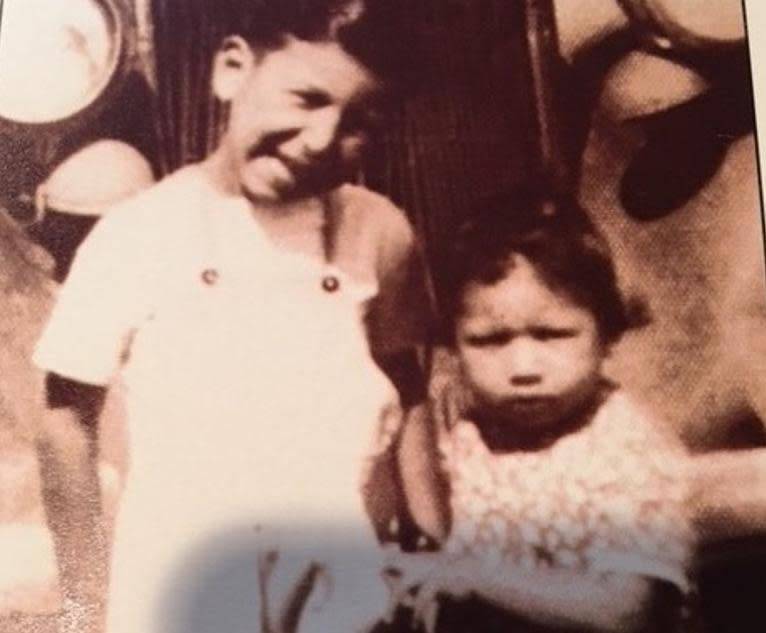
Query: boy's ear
{"points": [[231, 65]]}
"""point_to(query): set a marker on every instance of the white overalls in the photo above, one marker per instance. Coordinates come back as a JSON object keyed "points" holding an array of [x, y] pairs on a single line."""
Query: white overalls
{"points": [[252, 403]]}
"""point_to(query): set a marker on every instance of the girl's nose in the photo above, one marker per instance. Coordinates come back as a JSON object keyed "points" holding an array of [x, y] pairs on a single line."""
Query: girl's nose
{"points": [[523, 365]]}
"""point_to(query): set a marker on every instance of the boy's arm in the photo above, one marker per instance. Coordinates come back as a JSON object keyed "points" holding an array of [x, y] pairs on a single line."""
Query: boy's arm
{"points": [[404, 370], [105, 298], [425, 487], [68, 453], [400, 319], [400, 326]]}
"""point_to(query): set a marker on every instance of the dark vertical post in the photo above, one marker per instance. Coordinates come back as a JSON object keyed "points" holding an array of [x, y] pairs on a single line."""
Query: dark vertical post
{"points": [[544, 60]]}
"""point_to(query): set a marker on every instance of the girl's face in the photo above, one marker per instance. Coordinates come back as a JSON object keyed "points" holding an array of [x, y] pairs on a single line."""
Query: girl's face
{"points": [[529, 355]]}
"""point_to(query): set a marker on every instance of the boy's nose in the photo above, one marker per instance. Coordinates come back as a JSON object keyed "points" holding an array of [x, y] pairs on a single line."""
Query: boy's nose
{"points": [[321, 132]]}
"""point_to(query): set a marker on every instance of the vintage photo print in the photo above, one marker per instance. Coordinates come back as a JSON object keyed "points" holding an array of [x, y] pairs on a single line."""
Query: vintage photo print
{"points": [[382, 316]]}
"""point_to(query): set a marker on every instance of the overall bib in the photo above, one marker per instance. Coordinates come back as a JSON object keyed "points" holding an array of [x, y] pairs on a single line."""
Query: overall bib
{"points": [[253, 402]]}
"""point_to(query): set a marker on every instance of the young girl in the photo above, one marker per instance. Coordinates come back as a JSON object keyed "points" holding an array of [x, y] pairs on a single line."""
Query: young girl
{"points": [[566, 498]]}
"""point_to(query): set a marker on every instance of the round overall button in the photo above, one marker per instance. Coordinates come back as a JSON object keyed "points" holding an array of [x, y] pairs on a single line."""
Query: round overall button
{"points": [[209, 276], [330, 283]]}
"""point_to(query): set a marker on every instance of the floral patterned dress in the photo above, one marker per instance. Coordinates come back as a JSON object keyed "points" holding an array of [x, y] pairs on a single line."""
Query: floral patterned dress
{"points": [[606, 498]]}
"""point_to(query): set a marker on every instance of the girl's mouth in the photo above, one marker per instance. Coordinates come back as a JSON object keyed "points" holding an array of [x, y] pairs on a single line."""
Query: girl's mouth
{"points": [[529, 401]]}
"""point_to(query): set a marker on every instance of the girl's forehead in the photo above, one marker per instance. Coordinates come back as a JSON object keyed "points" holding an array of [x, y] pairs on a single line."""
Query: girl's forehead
{"points": [[520, 296]]}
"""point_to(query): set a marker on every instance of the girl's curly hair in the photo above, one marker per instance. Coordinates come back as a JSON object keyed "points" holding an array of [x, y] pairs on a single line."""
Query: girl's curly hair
{"points": [[557, 238]]}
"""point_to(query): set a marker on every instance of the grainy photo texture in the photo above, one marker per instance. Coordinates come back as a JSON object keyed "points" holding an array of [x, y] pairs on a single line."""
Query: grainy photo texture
{"points": [[380, 316]]}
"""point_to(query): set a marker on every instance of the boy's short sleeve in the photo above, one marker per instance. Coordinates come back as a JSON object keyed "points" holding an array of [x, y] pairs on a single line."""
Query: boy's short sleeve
{"points": [[101, 301], [401, 314]]}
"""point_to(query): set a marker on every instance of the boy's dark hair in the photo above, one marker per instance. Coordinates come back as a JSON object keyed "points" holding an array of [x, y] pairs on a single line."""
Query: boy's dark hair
{"points": [[556, 236], [378, 33]]}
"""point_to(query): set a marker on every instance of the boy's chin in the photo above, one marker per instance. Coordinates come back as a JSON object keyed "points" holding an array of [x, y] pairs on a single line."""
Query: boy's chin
{"points": [[279, 193], [259, 192]]}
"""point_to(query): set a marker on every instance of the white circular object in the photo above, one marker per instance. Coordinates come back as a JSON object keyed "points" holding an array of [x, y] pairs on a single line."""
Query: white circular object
{"points": [[94, 178], [642, 84], [719, 21], [56, 57], [691, 23]]}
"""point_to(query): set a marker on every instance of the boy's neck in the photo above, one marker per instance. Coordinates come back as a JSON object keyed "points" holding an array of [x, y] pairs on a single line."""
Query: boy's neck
{"points": [[295, 225], [223, 180]]}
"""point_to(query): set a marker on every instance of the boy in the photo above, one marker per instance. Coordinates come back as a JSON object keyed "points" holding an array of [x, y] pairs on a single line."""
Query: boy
{"points": [[244, 299]]}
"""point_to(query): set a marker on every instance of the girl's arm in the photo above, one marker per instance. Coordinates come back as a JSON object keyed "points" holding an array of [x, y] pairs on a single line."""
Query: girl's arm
{"points": [[567, 598], [554, 597]]}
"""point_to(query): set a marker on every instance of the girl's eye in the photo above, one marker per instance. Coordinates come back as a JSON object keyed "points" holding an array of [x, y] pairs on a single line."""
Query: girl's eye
{"points": [[551, 333], [492, 339]]}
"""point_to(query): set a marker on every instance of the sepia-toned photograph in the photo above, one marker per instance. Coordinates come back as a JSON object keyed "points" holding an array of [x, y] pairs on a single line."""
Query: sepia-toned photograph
{"points": [[381, 316]]}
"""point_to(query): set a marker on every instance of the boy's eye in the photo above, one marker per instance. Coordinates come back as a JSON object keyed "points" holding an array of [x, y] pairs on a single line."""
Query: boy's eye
{"points": [[363, 119], [312, 99], [551, 333]]}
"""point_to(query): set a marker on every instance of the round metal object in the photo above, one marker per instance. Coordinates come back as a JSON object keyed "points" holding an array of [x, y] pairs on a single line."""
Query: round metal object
{"points": [[58, 60], [210, 276], [94, 178], [330, 283], [691, 24], [642, 84]]}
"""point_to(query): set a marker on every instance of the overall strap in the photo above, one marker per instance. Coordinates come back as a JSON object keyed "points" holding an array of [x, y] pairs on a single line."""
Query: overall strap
{"points": [[330, 227]]}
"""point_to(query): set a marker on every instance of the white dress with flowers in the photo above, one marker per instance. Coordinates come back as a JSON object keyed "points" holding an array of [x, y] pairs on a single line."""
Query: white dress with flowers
{"points": [[605, 498]]}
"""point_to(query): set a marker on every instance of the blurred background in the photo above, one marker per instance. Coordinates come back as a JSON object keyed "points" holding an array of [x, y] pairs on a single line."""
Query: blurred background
{"points": [[643, 107]]}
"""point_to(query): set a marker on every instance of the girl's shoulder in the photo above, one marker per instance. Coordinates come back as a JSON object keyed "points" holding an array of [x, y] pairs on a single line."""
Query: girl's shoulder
{"points": [[623, 439], [622, 420]]}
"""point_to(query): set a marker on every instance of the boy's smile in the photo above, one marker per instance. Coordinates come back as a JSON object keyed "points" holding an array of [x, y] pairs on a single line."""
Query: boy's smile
{"points": [[528, 354], [300, 116]]}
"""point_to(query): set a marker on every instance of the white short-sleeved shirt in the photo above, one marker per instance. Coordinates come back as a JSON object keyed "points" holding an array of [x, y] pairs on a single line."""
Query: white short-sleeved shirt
{"points": [[251, 392], [139, 246]]}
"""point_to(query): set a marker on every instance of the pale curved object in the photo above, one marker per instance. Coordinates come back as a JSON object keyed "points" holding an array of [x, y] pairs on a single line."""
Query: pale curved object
{"points": [[641, 84], [582, 23], [92, 179], [696, 23], [56, 58]]}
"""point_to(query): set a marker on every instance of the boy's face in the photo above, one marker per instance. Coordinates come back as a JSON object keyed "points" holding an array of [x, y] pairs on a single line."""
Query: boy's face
{"points": [[300, 116], [529, 355]]}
